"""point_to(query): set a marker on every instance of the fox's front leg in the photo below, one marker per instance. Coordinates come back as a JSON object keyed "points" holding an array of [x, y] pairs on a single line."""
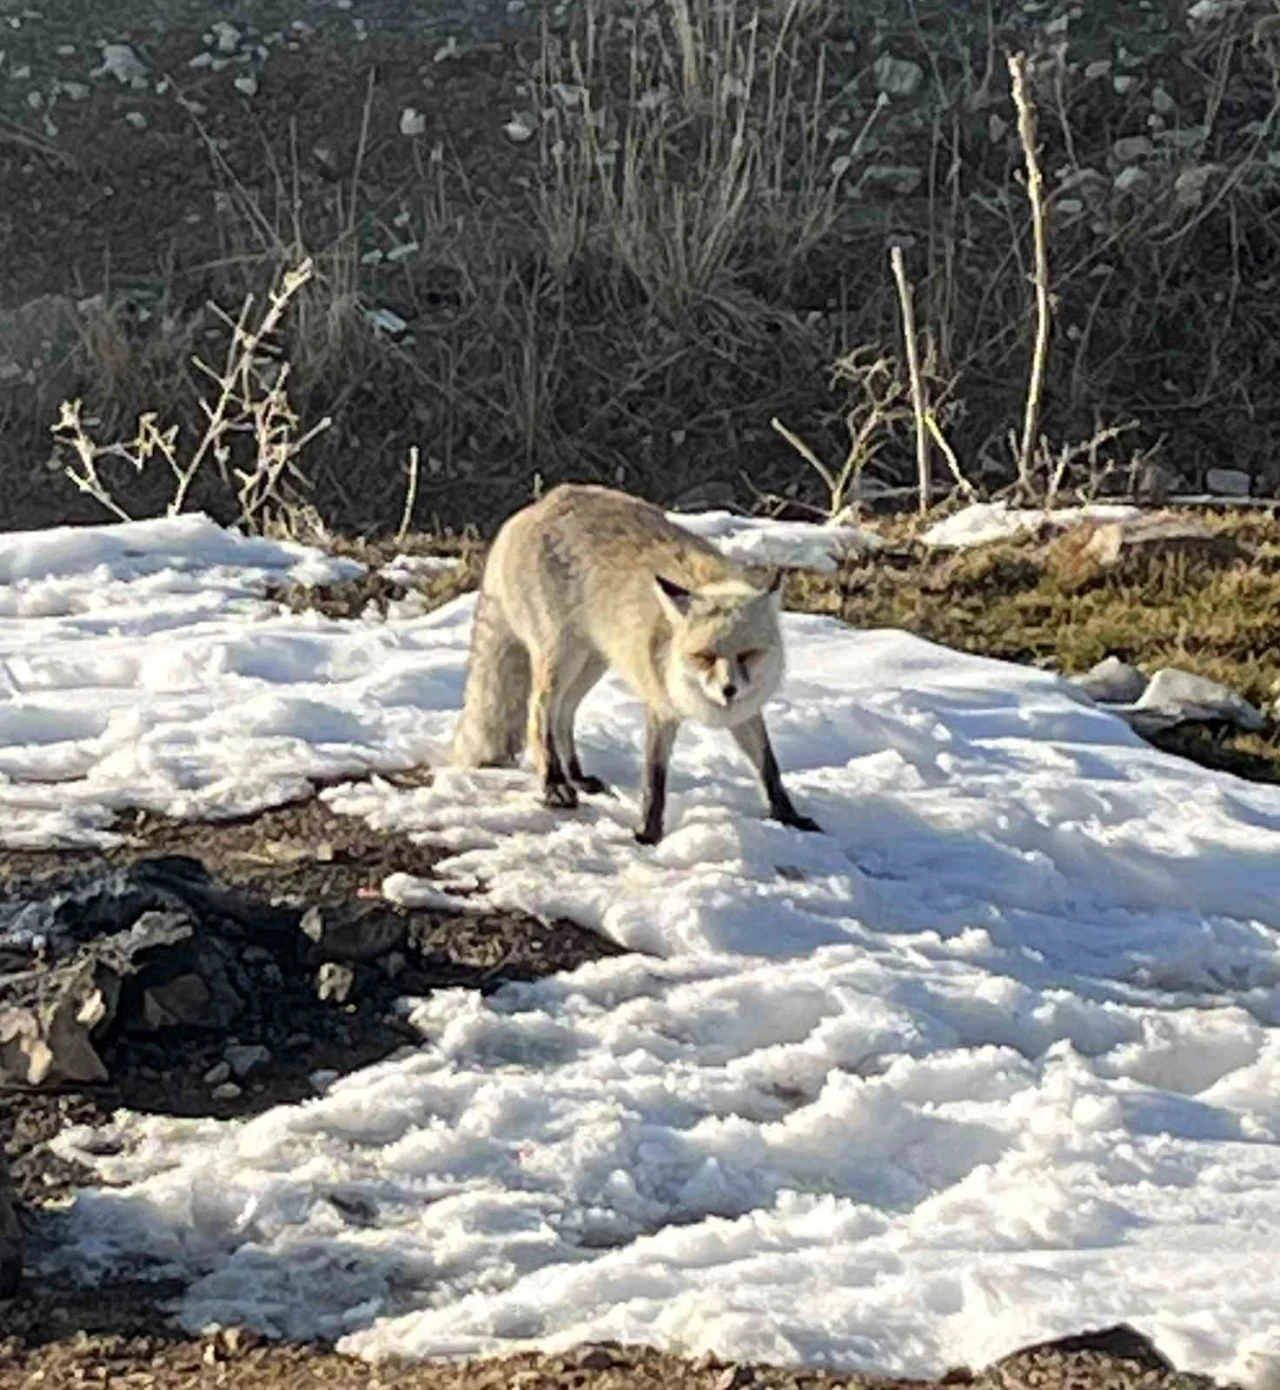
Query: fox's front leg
{"points": [[659, 737], [753, 738], [557, 791]]}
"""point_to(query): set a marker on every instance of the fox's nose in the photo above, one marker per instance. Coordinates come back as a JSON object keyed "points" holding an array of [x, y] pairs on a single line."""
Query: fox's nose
{"points": [[730, 691]]}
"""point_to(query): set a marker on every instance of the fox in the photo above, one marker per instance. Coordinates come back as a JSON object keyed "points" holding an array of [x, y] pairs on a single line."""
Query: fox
{"points": [[588, 579]]}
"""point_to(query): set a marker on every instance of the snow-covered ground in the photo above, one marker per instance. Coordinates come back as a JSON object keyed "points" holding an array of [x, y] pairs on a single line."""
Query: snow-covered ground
{"points": [[996, 1058], [980, 523]]}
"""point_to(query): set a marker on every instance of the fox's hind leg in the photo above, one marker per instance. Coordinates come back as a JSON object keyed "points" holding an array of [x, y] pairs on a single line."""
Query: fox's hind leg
{"points": [[576, 689], [549, 669], [753, 738]]}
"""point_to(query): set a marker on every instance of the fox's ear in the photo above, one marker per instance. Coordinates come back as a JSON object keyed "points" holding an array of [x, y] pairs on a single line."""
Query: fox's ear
{"points": [[672, 597]]}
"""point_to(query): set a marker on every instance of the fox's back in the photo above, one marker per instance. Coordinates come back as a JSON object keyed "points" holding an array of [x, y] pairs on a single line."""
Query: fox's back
{"points": [[588, 545]]}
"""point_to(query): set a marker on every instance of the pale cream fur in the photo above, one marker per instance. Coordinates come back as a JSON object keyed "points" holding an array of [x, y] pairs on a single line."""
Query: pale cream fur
{"points": [[588, 579]]}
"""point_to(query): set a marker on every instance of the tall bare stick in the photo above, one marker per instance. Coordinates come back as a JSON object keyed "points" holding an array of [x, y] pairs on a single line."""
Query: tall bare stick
{"points": [[1028, 134], [410, 497], [918, 406]]}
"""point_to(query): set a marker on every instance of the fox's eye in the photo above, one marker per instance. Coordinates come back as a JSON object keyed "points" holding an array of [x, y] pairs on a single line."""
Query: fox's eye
{"points": [[704, 660], [749, 658]]}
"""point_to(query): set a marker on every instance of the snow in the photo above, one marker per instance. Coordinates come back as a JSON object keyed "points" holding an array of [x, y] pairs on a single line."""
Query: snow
{"points": [[994, 1059], [405, 569], [983, 522], [790, 544]]}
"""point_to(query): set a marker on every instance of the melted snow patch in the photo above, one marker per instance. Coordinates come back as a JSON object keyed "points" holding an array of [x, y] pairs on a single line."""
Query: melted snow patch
{"points": [[980, 523], [995, 1057], [788, 544]]}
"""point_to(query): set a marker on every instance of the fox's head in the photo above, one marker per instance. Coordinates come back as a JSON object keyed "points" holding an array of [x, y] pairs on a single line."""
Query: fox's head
{"points": [[726, 648]]}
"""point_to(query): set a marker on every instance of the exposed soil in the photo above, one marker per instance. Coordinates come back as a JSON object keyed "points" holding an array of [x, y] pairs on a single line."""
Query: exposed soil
{"points": [[299, 854], [520, 354], [243, 1362], [42, 1353]]}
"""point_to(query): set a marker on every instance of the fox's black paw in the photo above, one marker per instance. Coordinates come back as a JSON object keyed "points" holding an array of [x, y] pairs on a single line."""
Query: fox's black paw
{"points": [[798, 822], [647, 836], [559, 796], [592, 786]]}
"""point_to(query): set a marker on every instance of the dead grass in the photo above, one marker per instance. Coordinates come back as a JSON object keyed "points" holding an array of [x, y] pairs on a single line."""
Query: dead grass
{"points": [[698, 228], [1217, 617]]}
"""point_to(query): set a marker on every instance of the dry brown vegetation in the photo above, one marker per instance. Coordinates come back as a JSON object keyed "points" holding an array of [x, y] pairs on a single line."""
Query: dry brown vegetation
{"points": [[697, 228]]}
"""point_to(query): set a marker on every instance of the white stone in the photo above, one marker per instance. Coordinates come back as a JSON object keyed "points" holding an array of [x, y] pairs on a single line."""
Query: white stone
{"points": [[1131, 148], [121, 62], [1228, 482], [246, 1058], [1179, 696], [897, 77], [1112, 681]]}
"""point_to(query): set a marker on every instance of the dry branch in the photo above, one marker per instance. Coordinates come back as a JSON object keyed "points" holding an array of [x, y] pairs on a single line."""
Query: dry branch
{"points": [[1029, 136], [919, 407]]}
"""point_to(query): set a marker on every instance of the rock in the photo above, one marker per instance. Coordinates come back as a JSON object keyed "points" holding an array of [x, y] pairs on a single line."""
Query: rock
{"points": [[1157, 534], [69, 947], [897, 77], [352, 931], [519, 128], [227, 36], [47, 1017], [121, 61], [1131, 148], [180, 1002], [247, 1058], [10, 1234], [734, 1378], [1112, 682], [1206, 12], [321, 1079], [597, 1358], [227, 1091], [1133, 180], [1179, 697], [1189, 187], [1120, 1341], [334, 982], [218, 1073], [1228, 482]]}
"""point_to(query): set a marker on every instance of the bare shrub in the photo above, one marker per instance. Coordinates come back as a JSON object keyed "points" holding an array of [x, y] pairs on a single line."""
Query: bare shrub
{"points": [[251, 439]]}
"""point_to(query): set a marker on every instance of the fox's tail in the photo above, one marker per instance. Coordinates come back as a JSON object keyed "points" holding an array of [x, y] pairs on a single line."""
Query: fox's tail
{"points": [[491, 732]]}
